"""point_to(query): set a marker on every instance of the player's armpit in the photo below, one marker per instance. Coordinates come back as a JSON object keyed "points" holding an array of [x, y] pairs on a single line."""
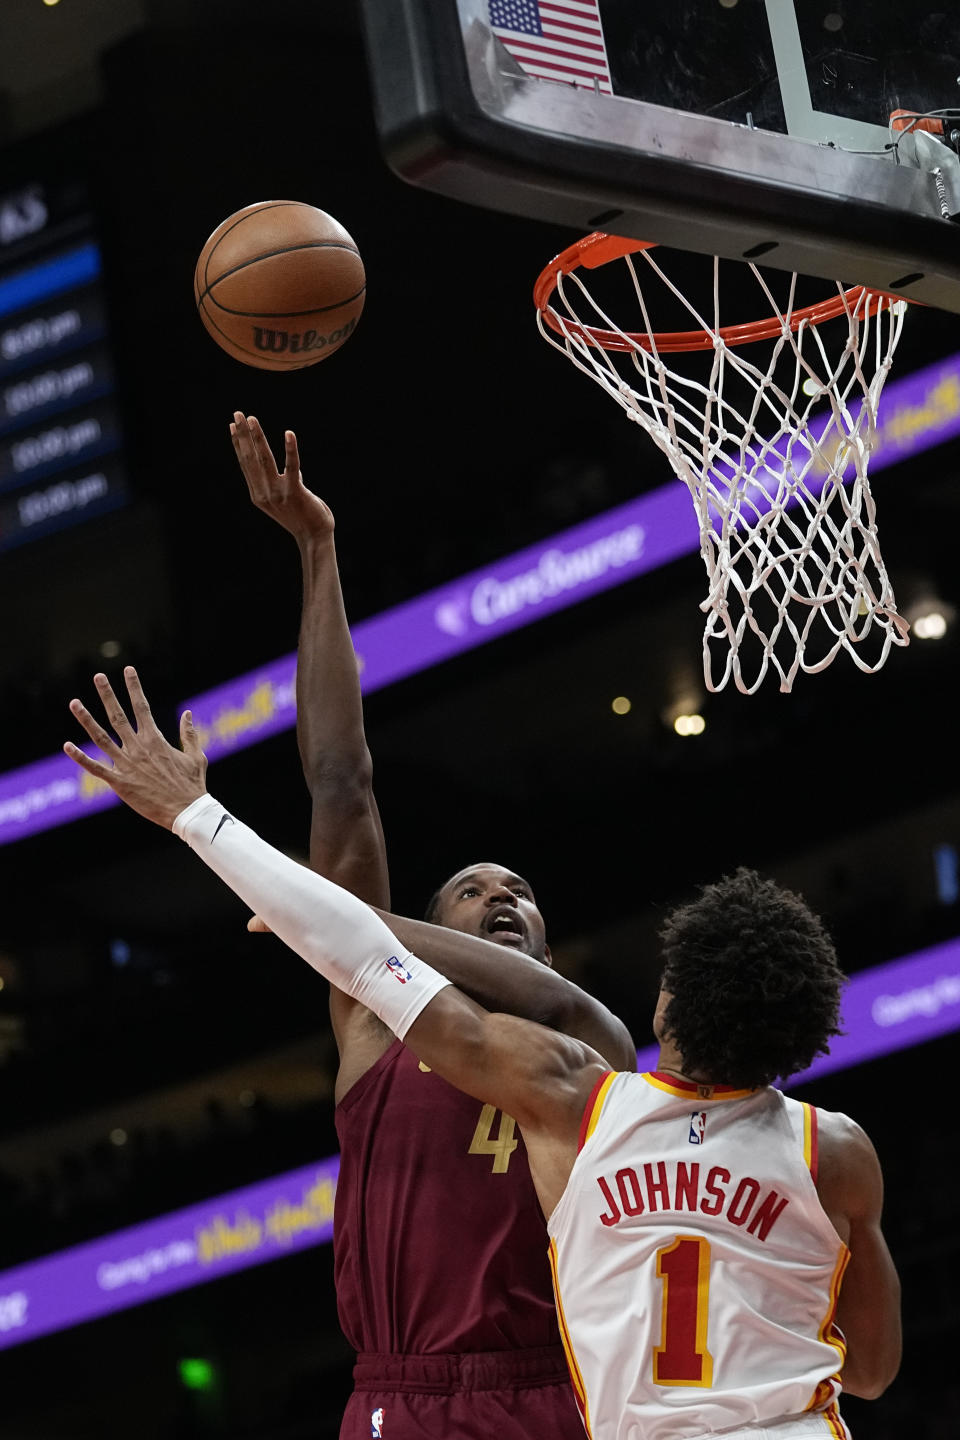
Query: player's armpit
{"points": [[505, 981], [850, 1185]]}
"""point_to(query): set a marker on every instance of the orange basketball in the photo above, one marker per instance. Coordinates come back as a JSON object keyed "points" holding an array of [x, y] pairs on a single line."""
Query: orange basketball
{"points": [[280, 285]]}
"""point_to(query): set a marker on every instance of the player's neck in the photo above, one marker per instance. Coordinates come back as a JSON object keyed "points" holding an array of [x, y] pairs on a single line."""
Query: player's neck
{"points": [[670, 1062]]}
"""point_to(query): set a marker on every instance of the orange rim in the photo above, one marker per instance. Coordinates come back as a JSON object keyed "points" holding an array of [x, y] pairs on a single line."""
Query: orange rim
{"points": [[598, 249]]}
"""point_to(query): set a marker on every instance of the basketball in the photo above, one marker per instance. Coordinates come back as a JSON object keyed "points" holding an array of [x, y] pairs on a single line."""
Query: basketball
{"points": [[280, 285]]}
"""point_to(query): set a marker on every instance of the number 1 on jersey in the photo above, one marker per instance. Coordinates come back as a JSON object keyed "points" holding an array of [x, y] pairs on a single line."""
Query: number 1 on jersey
{"points": [[682, 1357]]}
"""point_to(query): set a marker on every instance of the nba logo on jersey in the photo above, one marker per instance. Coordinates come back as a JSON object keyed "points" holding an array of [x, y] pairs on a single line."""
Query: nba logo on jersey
{"points": [[698, 1125], [403, 975], [376, 1424]]}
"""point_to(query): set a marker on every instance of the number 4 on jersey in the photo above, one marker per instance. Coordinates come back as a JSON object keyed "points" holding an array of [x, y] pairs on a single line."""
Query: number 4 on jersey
{"points": [[502, 1147], [682, 1357]]}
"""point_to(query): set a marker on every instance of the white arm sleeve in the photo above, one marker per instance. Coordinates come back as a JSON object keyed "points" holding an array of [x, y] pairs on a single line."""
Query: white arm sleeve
{"points": [[331, 929]]}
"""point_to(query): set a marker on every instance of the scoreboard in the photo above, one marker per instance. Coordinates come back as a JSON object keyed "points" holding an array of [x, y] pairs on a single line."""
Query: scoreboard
{"points": [[61, 440]]}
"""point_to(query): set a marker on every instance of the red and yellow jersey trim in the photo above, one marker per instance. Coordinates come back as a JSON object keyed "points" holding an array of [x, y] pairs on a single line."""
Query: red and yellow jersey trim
{"points": [[593, 1107], [835, 1425], [689, 1090], [810, 1141], [830, 1334], [579, 1389]]}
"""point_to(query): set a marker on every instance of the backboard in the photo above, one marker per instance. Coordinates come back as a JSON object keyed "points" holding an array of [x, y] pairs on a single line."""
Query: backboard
{"points": [[743, 128]]}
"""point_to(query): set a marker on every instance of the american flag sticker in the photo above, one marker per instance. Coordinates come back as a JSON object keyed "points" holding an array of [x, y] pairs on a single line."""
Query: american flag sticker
{"points": [[555, 40]]}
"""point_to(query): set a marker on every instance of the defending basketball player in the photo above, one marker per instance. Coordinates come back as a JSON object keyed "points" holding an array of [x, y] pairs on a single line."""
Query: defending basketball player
{"points": [[417, 1156], [718, 1259]]}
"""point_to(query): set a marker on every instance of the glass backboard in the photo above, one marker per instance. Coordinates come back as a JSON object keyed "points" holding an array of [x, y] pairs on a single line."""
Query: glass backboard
{"points": [[745, 128]]}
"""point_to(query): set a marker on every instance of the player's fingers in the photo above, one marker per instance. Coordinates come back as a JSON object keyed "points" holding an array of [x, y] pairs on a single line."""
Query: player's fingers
{"points": [[189, 739], [261, 449], [114, 711], [240, 434], [291, 455], [256, 926], [138, 701], [92, 767], [243, 447], [94, 729]]}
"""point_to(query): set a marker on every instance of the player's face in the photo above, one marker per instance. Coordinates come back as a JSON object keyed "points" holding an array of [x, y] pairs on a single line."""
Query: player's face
{"points": [[497, 905]]}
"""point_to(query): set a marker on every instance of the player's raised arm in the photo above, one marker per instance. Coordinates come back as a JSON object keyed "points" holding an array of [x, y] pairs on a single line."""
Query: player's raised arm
{"points": [[346, 838], [850, 1186]]}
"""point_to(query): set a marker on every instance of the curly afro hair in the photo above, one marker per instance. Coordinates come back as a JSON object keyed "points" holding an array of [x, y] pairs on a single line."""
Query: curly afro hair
{"points": [[754, 982]]}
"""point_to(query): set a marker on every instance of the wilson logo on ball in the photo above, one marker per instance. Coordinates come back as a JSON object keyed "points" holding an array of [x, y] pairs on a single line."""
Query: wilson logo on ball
{"points": [[276, 341], [280, 285]]}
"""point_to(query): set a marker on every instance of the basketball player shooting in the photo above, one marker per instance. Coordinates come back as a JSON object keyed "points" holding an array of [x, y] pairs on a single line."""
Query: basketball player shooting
{"points": [[484, 1356], [718, 1260]]}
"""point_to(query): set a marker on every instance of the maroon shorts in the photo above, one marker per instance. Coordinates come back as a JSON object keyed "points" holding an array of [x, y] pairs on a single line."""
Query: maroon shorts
{"points": [[497, 1395]]}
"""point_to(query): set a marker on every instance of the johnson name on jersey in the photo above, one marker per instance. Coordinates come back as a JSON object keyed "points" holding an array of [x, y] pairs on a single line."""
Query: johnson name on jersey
{"points": [[695, 1270]]}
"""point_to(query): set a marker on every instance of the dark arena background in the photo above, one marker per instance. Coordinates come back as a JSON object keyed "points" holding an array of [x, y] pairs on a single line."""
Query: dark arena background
{"points": [[154, 1057]]}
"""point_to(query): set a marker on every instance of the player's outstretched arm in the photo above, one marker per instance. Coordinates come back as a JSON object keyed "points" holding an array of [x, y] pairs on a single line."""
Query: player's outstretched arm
{"points": [[850, 1185], [346, 837], [539, 1076], [506, 981]]}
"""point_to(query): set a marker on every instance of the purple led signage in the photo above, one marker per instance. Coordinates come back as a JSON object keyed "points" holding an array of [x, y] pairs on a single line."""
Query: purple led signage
{"points": [[47, 793], [885, 1009], [918, 411], [246, 1227]]}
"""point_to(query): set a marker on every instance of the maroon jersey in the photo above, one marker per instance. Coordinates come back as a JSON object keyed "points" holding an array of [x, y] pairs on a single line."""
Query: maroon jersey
{"points": [[440, 1246]]}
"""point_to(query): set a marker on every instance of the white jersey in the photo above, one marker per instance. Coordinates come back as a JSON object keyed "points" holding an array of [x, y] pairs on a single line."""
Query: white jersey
{"points": [[695, 1270]]}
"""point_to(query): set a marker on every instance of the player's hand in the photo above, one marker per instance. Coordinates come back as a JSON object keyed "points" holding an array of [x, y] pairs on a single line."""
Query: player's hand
{"points": [[280, 494], [145, 771], [256, 926]]}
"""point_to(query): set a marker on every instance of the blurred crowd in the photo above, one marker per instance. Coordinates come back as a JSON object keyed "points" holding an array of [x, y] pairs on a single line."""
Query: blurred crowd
{"points": [[126, 1178]]}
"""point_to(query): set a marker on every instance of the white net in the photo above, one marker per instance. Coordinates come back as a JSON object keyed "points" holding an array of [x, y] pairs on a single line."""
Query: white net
{"points": [[775, 458]]}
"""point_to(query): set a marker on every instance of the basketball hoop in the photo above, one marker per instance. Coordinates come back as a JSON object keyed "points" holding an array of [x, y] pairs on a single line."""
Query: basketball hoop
{"points": [[776, 466]]}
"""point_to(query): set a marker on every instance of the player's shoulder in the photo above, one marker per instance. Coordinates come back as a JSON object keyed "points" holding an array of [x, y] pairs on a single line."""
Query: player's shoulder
{"points": [[840, 1134], [847, 1166]]}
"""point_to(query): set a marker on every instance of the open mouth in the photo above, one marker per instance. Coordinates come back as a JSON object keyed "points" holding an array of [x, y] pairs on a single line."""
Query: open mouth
{"points": [[506, 927]]}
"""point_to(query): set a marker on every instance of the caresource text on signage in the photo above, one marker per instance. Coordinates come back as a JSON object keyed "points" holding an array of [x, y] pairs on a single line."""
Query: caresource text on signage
{"points": [[919, 410], [556, 572]]}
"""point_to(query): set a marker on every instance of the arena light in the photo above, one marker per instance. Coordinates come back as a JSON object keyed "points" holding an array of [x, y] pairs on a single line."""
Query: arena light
{"points": [[929, 615], [932, 626]]}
